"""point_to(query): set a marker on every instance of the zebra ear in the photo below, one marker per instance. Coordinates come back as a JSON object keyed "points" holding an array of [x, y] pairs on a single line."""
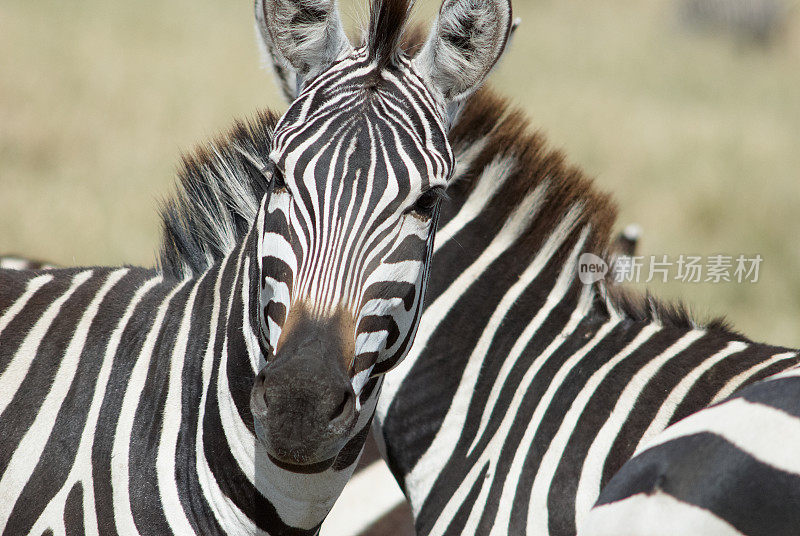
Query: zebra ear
{"points": [[300, 38], [284, 74], [466, 41]]}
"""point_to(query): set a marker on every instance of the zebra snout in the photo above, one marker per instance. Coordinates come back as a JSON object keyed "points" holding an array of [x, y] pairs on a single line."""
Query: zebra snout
{"points": [[304, 415]]}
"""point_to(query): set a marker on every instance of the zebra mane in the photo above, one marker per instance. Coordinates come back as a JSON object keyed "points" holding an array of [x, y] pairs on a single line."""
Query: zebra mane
{"points": [[387, 22], [490, 135], [220, 186]]}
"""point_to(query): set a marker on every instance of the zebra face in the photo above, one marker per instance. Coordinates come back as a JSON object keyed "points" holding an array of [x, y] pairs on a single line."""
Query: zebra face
{"points": [[359, 163]]}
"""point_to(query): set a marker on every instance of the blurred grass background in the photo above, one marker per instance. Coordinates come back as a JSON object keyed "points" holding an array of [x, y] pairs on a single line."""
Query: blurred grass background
{"points": [[698, 138]]}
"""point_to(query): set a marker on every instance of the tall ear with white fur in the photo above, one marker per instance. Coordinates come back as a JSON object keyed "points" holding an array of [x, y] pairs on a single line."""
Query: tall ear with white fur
{"points": [[301, 38], [466, 41], [285, 76]]}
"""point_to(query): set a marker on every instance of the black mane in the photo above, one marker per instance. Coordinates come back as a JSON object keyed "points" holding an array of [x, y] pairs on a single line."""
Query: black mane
{"points": [[387, 21], [218, 193]]}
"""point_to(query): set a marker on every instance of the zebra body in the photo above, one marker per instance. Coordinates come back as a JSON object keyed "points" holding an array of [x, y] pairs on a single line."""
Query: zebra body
{"points": [[729, 469], [144, 390], [230, 391], [527, 390], [147, 423]]}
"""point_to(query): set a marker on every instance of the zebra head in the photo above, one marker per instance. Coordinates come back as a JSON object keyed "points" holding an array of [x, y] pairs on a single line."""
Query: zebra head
{"points": [[359, 163]]}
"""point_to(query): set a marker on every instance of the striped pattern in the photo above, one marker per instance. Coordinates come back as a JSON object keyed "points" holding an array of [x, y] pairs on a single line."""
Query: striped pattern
{"points": [[525, 390], [729, 469], [73, 462], [138, 401], [353, 165], [129, 428]]}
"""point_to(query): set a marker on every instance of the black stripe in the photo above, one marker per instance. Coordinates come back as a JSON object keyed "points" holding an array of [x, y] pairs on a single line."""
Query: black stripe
{"points": [[781, 393], [707, 471], [310, 469], [145, 497], [24, 407], [13, 284], [34, 308], [73, 511], [133, 337], [561, 496], [239, 370], [350, 452], [456, 527], [655, 392], [450, 476], [186, 475], [710, 382], [59, 453], [232, 482]]}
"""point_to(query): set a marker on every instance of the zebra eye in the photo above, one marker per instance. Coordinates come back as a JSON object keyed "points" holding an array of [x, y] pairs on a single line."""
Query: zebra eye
{"points": [[277, 179], [427, 201]]}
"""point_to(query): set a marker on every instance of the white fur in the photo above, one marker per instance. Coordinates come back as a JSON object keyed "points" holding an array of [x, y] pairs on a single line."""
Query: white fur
{"points": [[457, 71], [321, 43], [738, 380], [659, 514]]}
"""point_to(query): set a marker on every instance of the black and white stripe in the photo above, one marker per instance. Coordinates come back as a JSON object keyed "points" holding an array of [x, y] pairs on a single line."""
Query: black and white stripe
{"points": [[526, 390], [729, 469], [131, 416], [230, 391], [17, 262]]}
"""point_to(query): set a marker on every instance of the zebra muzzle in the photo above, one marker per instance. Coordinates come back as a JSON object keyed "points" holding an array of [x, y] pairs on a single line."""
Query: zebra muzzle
{"points": [[302, 401]]}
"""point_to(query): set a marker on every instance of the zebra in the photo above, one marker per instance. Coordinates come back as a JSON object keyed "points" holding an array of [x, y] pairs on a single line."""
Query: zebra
{"points": [[229, 390], [751, 21], [526, 390], [729, 469], [18, 262]]}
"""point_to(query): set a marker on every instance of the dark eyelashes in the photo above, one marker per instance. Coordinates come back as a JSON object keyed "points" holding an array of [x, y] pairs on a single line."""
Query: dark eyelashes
{"points": [[277, 181], [426, 202]]}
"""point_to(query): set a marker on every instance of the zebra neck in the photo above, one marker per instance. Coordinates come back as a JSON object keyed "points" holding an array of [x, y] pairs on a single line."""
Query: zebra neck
{"points": [[504, 265], [512, 348], [491, 319], [234, 470]]}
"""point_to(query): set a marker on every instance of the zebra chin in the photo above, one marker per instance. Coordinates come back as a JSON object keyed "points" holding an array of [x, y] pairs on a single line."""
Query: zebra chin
{"points": [[303, 402]]}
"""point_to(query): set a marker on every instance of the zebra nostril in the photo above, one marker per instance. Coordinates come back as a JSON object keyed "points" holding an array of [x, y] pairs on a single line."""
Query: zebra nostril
{"points": [[342, 408]]}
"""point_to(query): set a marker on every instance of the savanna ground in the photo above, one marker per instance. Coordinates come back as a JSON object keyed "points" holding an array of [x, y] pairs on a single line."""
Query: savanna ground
{"points": [[698, 138]]}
